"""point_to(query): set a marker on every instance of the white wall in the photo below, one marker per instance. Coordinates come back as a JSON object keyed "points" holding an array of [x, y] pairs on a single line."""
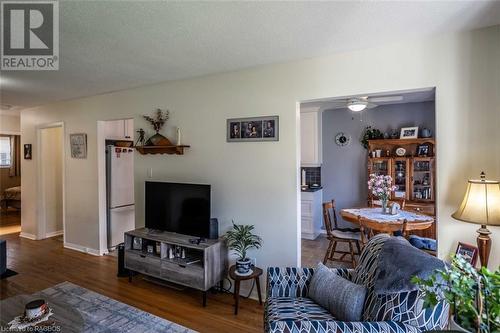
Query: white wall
{"points": [[51, 169], [10, 124], [258, 182]]}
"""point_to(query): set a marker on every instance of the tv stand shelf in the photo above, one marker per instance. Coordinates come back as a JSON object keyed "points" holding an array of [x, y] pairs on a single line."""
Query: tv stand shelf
{"points": [[203, 267]]}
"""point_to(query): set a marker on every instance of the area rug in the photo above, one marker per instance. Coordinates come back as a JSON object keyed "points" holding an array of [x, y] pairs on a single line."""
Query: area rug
{"points": [[103, 314]]}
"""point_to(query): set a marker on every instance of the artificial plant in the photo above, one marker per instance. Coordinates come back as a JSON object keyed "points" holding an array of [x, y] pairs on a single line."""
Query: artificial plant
{"points": [[240, 239], [474, 295]]}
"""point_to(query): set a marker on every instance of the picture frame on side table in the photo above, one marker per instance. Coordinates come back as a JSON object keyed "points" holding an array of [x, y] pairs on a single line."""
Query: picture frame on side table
{"points": [[468, 252], [252, 129], [409, 133], [78, 144]]}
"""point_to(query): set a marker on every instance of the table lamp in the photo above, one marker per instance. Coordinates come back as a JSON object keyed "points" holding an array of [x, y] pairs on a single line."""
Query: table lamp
{"points": [[481, 205]]}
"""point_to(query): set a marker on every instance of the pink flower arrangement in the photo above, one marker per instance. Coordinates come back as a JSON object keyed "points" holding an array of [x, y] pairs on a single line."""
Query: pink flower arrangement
{"points": [[381, 186]]}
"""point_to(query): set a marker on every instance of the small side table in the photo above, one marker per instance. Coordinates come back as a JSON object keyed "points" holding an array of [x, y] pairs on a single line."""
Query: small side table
{"points": [[257, 272]]}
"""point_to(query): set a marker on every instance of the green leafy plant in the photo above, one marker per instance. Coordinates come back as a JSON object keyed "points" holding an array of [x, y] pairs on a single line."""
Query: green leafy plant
{"points": [[474, 295], [240, 239], [370, 134]]}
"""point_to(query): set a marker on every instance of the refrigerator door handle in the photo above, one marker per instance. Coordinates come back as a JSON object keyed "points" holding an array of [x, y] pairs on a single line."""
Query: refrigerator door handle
{"points": [[122, 206]]}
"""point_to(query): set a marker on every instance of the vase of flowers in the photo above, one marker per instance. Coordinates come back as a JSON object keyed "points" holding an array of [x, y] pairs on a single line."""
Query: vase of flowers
{"points": [[381, 187]]}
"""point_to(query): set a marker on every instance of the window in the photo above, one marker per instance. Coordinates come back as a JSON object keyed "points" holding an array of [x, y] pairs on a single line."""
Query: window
{"points": [[4, 151]]}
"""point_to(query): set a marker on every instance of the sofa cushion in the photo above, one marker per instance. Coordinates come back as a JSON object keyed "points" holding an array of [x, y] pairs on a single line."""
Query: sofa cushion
{"points": [[407, 308], [295, 309], [342, 298]]}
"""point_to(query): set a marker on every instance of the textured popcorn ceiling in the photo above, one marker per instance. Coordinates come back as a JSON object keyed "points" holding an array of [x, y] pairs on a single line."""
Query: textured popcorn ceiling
{"points": [[112, 45]]}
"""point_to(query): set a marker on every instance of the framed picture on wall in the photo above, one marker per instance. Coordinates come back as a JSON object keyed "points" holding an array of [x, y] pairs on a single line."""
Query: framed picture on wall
{"points": [[78, 145], [409, 133], [252, 129], [468, 252], [28, 153]]}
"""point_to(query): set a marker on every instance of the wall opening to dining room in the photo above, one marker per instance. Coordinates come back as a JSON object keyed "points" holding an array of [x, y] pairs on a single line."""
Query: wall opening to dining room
{"points": [[336, 164], [10, 172]]}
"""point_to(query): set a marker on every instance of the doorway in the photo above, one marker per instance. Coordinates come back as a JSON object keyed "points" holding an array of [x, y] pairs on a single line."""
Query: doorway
{"points": [[10, 181], [51, 181], [336, 161]]}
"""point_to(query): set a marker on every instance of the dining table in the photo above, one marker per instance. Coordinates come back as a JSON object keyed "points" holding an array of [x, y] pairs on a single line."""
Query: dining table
{"points": [[373, 219]]}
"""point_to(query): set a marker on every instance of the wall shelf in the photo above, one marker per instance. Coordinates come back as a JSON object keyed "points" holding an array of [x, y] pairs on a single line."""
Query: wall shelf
{"points": [[173, 149]]}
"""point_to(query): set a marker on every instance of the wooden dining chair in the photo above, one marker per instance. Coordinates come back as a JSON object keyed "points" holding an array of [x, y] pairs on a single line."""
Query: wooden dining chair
{"points": [[377, 203], [336, 235], [368, 228]]}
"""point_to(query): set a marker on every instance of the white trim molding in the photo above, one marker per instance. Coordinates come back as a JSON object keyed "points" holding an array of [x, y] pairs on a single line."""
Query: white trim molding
{"points": [[27, 235], [54, 233], [83, 249], [10, 133]]}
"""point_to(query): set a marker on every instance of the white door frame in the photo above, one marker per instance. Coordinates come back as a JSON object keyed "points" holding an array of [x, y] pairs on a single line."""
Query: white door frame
{"points": [[41, 223]]}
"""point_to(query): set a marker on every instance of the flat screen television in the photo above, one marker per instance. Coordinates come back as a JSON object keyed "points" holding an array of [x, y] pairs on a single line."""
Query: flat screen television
{"points": [[180, 208]]}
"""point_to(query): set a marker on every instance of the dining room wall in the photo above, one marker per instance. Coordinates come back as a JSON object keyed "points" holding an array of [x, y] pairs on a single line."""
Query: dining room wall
{"points": [[344, 170]]}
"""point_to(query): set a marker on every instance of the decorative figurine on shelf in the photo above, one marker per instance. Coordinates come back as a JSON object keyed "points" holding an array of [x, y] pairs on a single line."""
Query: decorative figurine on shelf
{"points": [[140, 140], [157, 122]]}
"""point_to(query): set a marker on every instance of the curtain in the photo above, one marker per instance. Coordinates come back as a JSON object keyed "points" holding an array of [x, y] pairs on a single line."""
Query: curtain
{"points": [[15, 156]]}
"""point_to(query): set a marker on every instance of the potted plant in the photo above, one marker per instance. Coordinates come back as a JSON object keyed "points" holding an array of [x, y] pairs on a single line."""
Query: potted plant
{"points": [[240, 239], [370, 133], [474, 295]]}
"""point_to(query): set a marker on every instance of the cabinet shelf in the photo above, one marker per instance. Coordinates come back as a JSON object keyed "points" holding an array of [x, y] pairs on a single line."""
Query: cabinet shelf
{"points": [[173, 149]]}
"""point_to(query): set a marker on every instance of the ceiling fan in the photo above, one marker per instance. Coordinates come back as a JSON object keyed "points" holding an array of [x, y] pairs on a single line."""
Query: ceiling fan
{"points": [[358, 104]]}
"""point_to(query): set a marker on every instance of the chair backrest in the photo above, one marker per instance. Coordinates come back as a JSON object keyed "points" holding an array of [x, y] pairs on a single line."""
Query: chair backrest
{"points": [[327, 217], [367, 227], [400, 201]]}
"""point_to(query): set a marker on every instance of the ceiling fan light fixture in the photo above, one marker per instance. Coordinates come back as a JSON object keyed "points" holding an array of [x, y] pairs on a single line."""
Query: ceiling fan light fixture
{"points": [[357, 105]]}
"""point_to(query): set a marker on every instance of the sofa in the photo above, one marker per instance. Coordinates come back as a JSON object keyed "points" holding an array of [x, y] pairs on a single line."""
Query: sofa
{"points": [[289, 309]]}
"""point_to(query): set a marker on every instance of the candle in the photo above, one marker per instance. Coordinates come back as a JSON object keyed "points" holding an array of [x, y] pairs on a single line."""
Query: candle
{"points": [[178, 136]]}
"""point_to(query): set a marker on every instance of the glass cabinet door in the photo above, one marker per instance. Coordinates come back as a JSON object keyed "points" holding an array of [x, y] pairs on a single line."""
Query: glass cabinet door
{"points": [[401, 176], [380, 166], [422, 179]]}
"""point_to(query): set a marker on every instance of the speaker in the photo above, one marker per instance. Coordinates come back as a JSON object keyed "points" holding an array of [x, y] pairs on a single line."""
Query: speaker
{"points": [[214, 229], [122, 271]]}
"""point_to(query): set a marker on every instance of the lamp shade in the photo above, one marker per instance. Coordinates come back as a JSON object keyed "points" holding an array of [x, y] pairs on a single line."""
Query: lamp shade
{"points": [[481, 203]]}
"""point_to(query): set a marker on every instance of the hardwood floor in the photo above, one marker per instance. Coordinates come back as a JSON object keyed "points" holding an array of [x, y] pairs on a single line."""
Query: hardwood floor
{"points": [[313, 251], [44, 263], [10, 221]]}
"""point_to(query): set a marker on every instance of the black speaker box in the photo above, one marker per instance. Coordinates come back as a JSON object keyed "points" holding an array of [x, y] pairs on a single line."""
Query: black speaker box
{"points": [[214, 229]]}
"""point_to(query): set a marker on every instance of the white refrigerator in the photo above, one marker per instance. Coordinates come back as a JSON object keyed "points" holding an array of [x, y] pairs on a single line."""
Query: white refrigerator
{"points": [[120, 193]]}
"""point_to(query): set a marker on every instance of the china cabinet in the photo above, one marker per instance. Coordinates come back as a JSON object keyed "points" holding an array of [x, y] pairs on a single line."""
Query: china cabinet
{"points": [[413, 174]]}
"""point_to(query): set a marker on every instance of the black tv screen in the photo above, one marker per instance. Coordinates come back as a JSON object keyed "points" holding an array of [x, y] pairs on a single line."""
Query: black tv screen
{"points": [[176, 207]]}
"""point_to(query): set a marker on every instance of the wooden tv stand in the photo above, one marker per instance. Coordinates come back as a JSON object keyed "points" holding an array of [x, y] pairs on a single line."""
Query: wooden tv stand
{"points": [[203, 267]]}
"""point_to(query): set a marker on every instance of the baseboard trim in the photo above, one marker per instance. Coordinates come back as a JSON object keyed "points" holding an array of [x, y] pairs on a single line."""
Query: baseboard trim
{"points": [[83, 249], [310, 236], [54, 233], [27, 235]]}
